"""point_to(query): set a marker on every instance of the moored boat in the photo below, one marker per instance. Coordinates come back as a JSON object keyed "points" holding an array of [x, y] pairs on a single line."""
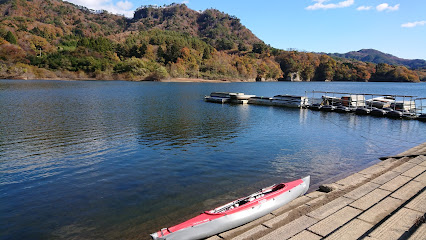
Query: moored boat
{"points": [[260, 101], [378, 112], [403, 105], [220, 94], [216, 99], [236, 213], [395, 114], [353, 100], [363, 111], [240, 96], [290, 101], [315, 106], [328, 108], [228, 97], [343, 109], [380, 102], [422, 117]]}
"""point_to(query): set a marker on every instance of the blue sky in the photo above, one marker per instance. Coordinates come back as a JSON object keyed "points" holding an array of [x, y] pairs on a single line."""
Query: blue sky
{"points": [[397, 27]]}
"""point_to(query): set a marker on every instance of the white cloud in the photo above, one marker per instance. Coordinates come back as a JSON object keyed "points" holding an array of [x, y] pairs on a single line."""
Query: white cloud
{"points": [[320, 4], [364, 8], [413, 24], [185, 2], [385, 6], [122, 7]]}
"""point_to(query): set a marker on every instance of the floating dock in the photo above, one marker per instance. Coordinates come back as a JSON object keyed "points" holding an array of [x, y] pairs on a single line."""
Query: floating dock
{"points": [[384, 201], [391, 106]]}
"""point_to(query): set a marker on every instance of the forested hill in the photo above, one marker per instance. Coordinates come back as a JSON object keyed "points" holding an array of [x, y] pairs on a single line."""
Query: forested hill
{"points": [[221, 30], [55, 39], [375, 56]]}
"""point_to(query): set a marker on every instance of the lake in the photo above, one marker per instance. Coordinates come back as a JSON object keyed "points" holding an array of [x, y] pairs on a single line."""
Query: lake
{"points": [[120, 160]]}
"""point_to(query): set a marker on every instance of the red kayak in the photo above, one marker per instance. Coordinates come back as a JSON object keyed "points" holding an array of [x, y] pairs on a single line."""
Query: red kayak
{"points": [[236, 213]]}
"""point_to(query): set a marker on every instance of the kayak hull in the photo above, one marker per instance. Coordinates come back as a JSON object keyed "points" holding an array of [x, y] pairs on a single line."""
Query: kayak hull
{"points": [[233, 220]]}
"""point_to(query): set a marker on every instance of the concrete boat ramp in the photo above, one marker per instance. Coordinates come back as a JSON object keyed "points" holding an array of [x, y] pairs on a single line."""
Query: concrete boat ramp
{"points": [[384, 201]]}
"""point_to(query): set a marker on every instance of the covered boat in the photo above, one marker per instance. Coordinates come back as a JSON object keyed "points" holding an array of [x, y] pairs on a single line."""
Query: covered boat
{"points": [[290, 101], [236, 213], [218, 97], [240, 96], [228, 97], [261, 101], [353, 101], [380, 102]]}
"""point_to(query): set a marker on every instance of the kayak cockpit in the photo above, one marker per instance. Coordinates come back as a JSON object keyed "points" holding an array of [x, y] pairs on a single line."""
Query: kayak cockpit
{"points": [[245, 200]]}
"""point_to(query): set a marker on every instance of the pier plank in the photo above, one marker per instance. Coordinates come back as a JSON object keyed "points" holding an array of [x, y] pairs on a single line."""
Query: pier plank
{"points": [[251, 233], [380, 210], [404, 167], [362, 190], [414, 172], [334, 221], [417, 160], [370, 199], [215, 237], [330, 208], [419, 234], [293, 204], [315, 194], [385, 177], [372, 170], [421, 178], [274, 221], [289, 230], [353, 230], [389, 163], [352, 180], [306, 235], [408, 190], [395, 183], [317, 200], [418, 203], [396, 225], [423, 163]]}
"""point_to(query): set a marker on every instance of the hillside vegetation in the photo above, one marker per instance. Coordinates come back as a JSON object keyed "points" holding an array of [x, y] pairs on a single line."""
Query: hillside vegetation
{"points": [[55, 39]]}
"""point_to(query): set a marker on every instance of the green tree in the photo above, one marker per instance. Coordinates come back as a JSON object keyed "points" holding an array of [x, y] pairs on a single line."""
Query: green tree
{"points": [[10, 37], [259, 47]]}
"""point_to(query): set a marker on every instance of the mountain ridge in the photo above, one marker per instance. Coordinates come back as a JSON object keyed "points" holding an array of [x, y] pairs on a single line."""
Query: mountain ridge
{"points": [[376, 56]]}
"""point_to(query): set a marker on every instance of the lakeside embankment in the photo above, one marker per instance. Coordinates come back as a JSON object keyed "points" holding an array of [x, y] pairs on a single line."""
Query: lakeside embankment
{"points": [[383, 201], [132, 80]]}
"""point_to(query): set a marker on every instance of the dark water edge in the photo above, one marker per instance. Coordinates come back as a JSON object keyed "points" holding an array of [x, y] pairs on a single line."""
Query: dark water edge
{"points": [[108, 160]]}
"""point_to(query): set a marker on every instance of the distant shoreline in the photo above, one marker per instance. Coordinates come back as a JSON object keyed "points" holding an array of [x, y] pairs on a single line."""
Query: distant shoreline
{"points": [[200, 80], [178, 80]]}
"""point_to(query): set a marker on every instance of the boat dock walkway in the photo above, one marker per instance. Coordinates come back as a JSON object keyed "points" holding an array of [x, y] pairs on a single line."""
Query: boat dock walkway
{"points": [[384, 201]]}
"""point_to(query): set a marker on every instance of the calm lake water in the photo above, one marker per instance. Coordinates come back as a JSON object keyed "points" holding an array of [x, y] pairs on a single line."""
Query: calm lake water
{"points": [[119, 160]]}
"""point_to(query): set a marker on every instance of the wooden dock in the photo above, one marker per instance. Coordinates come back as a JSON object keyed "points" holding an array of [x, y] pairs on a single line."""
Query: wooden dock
{"points": [[384, 201]]}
